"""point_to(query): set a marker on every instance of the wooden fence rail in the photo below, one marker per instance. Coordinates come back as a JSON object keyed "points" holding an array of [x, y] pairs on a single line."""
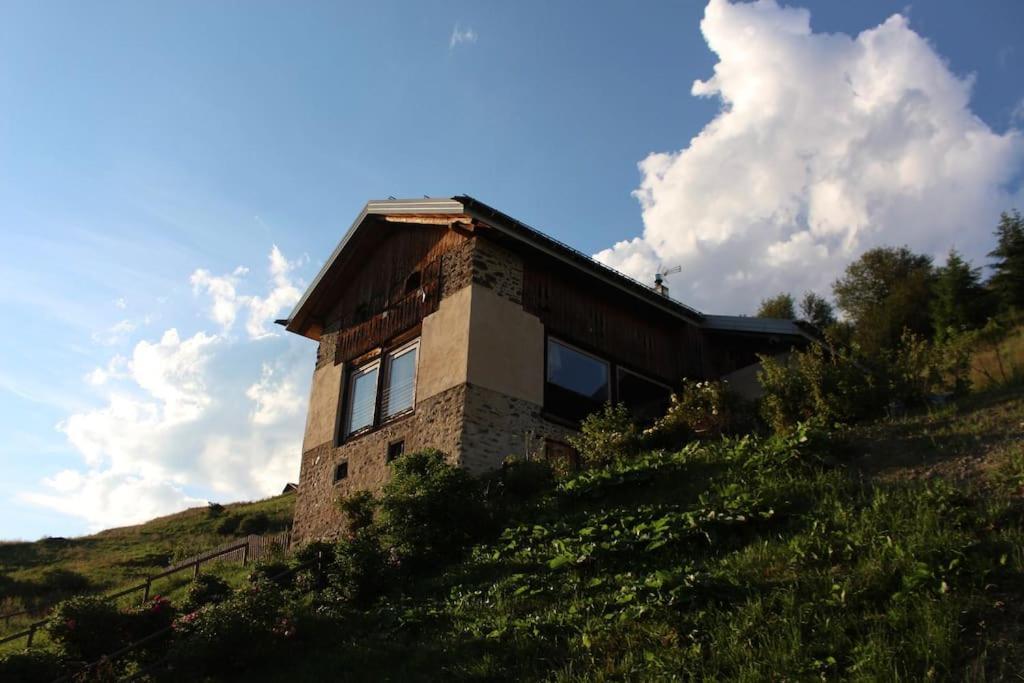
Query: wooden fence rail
{"points": [[253, 549]]}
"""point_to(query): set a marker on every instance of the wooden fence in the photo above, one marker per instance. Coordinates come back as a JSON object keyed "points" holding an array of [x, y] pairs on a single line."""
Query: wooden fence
{"points": [[253, 549]]}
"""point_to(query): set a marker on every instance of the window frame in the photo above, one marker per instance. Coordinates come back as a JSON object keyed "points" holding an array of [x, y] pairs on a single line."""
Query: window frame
{"points": [[412, 346], [572, 347], [346, 417]]}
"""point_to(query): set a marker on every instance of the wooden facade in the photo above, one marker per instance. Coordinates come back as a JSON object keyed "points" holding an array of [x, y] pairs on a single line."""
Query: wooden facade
{"points": [[612, 324], [392, 290]]}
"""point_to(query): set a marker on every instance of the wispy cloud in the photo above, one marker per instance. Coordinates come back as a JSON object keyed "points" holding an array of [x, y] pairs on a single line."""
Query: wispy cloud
{"points": [[462, 35]]}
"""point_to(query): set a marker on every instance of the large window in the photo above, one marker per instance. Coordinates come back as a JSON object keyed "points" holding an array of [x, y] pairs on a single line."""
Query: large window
{"points": [[646, 399], [381, 390], [577, 382]]}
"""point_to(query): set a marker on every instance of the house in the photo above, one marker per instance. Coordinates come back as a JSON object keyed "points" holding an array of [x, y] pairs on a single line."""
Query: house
{"points": [[445, 323]]}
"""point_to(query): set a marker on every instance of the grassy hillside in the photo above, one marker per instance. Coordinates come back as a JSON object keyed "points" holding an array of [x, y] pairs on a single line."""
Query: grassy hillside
{"points": [[41, 572], [890, 551], [895, 552]]}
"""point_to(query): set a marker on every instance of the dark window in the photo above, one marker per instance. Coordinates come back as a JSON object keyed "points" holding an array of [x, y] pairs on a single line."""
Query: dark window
{"points": [[647, 400], [412, 283], [340, 471], [395, 449], [577, 382]]}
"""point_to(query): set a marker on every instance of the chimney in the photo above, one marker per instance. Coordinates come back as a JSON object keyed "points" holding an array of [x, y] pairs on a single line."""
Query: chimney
{"points": [[659, 285]]}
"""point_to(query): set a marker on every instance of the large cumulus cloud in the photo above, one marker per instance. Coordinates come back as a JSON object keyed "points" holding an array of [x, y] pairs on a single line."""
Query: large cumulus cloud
{"points": [[826, 145]]}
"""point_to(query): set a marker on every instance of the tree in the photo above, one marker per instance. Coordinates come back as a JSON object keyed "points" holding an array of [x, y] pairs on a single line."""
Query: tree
{"points": [[1008, 265], [778, 306], [957, 296], [886, 290], [817, 310]]}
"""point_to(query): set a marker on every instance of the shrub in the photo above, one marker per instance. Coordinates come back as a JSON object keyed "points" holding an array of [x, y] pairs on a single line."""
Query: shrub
{"points": [[360, 568], [818, 384], [229, 525], [358, 508], [205, 589], [31, 666], [272, 571], [525, 478], [87, 627], [699, 409], [65, 581], [232, 635], [430, 509], [214, 509], [607, 436], [257, 523]]}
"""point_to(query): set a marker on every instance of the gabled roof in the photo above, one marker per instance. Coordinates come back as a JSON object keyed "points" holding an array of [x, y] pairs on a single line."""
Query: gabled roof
{"points": [[472, 210]]}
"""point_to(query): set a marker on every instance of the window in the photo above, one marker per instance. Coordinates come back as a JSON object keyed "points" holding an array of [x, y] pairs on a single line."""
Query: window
{"points": [[380, 390], [646, 399], [577, 382], [340, 471], [412, 283], [395, 449], [399, 393], [361, 408]]}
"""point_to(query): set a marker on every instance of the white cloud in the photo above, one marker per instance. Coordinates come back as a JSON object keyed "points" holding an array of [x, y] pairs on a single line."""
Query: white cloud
{"points": [[115, 334], [120, 303], [275, 399], [190, 416], [461, 35], [226, 303], [826, 145]]}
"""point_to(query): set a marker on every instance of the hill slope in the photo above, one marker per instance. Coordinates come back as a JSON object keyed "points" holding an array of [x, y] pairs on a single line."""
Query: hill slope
{"points": [[44, 571]]}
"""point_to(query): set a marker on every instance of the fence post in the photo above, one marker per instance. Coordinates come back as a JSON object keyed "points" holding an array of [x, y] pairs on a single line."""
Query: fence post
{"points": [[245, 554], [195, 570], [145, 591], [31, 634]]}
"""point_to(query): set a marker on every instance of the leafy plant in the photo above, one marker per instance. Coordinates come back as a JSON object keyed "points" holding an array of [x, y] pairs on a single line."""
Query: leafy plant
{"points": [[205, 589], [607, 436]]}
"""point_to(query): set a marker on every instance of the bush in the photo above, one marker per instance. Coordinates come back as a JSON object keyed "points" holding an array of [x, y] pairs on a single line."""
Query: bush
{"points": [[87, 627], [272, 571], [607, 436], [205, 589], [819, 385], [65, 581], [360, 568], [230, 636], [430, 509], [525, 478], [31, 666], [254, 524], [214, 509], [699, 409], [358, 508], [229, 525]]}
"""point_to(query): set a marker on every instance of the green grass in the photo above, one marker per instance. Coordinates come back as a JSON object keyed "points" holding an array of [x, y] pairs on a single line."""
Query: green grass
{"points": [[737, 560], [41, 572]]}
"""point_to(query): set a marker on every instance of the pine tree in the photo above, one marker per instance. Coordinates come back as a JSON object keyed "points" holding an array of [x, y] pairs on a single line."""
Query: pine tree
{"points": [[1008, 277], [957, 296]]}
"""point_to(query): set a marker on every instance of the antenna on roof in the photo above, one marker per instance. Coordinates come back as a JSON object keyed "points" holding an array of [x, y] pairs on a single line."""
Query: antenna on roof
{"points": [[659, 278]]}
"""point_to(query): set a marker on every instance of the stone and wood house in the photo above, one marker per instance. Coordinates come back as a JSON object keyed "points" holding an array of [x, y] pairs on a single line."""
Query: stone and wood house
{"points": [[445, 323]]}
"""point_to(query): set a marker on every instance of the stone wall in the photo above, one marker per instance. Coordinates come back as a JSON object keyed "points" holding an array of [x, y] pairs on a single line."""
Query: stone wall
{"points": [[436, 423], [496, 426], [499, 269]]}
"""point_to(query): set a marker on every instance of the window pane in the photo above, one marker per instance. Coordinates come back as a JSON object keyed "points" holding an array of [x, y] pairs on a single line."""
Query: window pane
{"points": [[399, 394], [577, 372], [362, 400], [646, 400]]}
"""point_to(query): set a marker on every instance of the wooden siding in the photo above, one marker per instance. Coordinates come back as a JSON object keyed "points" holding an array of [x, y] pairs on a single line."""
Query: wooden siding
{"points": [[616, 326]]}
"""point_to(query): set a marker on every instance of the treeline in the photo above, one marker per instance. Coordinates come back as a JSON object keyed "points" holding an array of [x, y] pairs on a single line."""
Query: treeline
{"points": [[890, 291]]}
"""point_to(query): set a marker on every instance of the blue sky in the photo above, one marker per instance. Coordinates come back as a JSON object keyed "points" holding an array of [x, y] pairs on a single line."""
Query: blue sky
{"points": [[149, 150]]}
